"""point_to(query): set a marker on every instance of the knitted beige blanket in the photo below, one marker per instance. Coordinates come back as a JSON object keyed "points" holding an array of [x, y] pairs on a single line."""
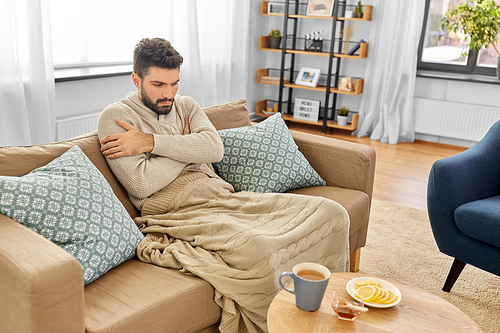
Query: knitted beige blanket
{"points": [[240, 242]]}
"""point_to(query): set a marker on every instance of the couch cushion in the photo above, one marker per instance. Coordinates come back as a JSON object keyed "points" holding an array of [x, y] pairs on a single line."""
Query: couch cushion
{"points": [[264, 158], [228, 115], [356, 203], [139, 297], [480, 220], [19, 160], [69, 202]]}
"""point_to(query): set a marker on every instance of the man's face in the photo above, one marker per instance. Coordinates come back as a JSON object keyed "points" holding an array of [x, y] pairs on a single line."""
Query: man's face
{"points": [[158, 88]]}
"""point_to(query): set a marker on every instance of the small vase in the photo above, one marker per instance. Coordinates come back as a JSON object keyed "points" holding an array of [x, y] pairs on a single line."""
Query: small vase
{"points": [[342, 120], [274, 42]]}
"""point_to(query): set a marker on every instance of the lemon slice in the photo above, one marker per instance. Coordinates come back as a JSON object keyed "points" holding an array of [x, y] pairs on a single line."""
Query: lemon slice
{"points": [[384, 297], [360, 284], [380, 293], [392, 297], [374, 292], [369, 293]]}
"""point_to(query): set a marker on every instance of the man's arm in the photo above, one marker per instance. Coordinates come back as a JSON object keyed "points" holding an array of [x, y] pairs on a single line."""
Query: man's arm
{"points": [[131, 142], [203, 145], [139, 174]]}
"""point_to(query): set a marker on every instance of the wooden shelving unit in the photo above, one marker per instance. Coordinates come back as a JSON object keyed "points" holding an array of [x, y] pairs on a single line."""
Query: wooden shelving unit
{"points": [[263, 104], [358, 86], [289, 48], [363, 50], [367, 14]]}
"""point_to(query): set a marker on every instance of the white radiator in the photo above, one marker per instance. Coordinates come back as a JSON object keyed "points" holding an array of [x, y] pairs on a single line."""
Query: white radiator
{"points": [[453, 120], [70, 127]]}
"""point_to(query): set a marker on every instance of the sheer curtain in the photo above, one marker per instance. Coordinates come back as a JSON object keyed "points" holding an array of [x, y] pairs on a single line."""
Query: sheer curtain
{"points": [[386, 111], [27, 96], [212, 36]]}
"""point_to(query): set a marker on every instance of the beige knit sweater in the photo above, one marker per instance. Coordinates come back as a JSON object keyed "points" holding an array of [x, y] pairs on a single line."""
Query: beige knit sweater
{"points": [[145, 174]]}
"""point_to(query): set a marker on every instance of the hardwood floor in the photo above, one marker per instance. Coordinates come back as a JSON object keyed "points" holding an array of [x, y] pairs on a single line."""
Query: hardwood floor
{"points": [[401, 170]]}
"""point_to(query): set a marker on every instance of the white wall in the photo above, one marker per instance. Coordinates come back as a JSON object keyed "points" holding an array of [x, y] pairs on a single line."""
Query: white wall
{"points": [[75, 98], [482, 99]]}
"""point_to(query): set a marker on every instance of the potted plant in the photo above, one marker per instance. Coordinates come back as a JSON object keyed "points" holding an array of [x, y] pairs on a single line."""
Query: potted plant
{"points": [[342, 116], [358, 10], [480, 21], [275, 38]]}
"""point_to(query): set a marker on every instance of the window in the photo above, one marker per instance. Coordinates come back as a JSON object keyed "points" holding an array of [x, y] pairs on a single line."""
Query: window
{"points": [[101, 32], [96, 32], [441, 51]]}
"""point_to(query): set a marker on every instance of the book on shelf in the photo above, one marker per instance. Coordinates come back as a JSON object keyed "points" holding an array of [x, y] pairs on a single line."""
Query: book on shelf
{"points": [[355, 48]]}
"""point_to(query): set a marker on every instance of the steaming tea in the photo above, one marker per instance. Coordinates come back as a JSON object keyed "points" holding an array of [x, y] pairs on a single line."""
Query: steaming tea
{"points": [[312, 275], [310, 281]]}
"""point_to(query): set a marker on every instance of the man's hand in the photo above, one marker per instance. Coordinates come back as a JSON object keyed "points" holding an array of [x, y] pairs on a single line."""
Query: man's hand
{"points": [[131, 142], [187, 130]]}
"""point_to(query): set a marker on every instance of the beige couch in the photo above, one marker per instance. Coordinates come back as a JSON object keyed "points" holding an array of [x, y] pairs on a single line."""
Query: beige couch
{"points": [[41, 285]]}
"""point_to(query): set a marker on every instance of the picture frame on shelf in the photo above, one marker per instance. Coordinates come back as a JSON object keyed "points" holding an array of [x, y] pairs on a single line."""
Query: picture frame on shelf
{"points": [[275, 8], [306, 109], [320, 7], [308, 77]]}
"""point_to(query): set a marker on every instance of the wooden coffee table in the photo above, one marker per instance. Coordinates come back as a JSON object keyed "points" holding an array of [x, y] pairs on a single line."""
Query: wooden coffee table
{"points": [[418, 311]]}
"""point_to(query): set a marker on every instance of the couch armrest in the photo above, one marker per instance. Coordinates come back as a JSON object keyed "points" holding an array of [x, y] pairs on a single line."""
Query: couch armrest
{"points": [[340, 163], [40, 283]]}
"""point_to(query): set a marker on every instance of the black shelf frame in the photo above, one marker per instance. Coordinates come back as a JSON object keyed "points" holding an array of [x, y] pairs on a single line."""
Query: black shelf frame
{"points": [[331, 58]]}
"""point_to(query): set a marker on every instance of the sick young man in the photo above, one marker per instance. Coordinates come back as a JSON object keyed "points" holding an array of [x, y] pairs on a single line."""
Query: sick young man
{"points": [[149, 128], [160, 146]]}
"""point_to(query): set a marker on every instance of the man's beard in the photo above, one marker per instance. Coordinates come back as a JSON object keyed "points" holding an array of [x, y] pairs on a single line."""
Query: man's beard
{"points": [[154, 106]]}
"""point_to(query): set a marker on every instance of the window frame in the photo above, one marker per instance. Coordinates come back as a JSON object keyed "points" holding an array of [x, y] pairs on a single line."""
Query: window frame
{"points": [[470, 67]]}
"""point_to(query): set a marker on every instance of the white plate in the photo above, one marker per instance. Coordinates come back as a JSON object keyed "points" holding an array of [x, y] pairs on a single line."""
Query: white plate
{"points": [[351, 289]]}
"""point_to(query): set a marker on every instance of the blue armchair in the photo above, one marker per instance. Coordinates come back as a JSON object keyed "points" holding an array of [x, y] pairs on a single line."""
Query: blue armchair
{"points": [[463, 202]]}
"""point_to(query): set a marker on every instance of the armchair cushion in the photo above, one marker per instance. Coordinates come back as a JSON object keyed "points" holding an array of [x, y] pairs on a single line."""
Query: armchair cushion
{"points": [[480, 220], [264, 158], [69, 202]]}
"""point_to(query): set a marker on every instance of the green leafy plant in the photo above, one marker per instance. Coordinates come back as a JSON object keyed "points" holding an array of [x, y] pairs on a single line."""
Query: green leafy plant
{"points": [[358, 8], [275, 33], [480, 21], [343, 111]]}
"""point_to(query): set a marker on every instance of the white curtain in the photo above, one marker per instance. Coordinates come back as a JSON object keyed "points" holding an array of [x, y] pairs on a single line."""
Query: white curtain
{"points": [[386, 111], [27, 96], [212, 36]]}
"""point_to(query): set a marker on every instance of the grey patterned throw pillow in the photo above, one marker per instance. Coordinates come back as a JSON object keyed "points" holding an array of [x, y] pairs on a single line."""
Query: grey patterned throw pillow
{"points": [[264, 158], [69, 202]]}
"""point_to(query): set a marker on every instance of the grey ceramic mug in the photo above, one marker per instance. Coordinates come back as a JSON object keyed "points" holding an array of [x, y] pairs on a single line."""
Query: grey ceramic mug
{"points": [[310, 281]]}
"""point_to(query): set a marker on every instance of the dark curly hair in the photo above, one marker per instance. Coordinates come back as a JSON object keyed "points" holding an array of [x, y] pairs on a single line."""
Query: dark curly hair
{"points": [[155, 52]]}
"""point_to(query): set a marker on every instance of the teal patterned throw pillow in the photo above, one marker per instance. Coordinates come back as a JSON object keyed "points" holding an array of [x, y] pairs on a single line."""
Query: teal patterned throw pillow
{"points": [[264, 158], [69, 202]]}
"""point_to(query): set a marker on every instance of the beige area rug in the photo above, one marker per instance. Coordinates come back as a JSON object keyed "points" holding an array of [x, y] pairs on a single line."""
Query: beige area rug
{"points": [[400, 245]]}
